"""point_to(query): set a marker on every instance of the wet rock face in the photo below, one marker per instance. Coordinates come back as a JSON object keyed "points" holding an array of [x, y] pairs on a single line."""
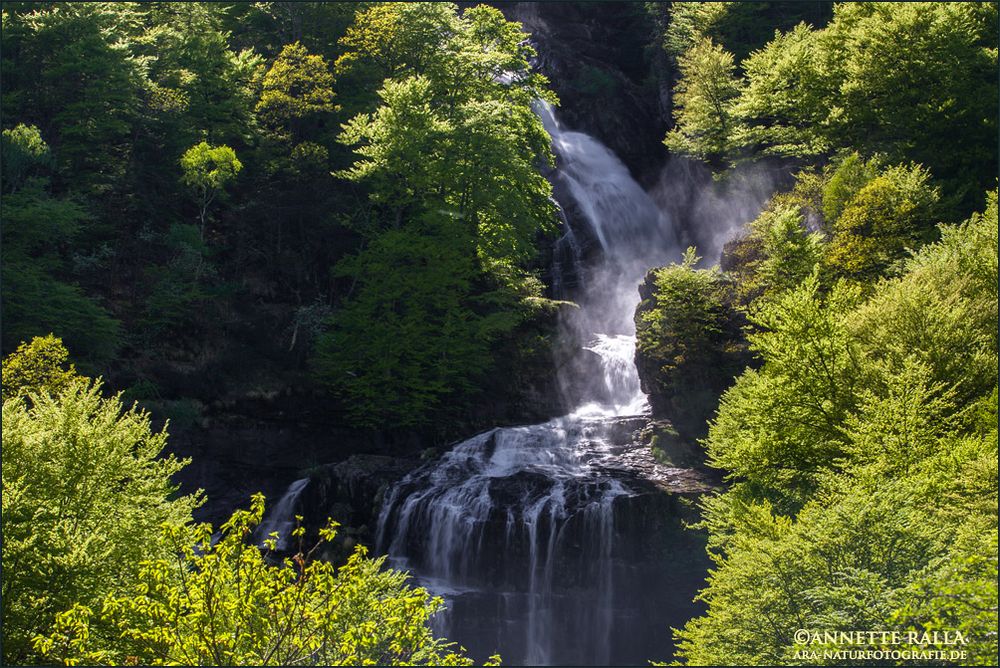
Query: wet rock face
{"points": [[668, 449]]}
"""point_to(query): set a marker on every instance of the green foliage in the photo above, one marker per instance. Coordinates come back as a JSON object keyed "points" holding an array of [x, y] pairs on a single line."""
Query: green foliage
{"points": [[888, 215], [38, 366], [23, 150], [943, 311], [848, 178], [690, 23], [450, 162], [85, 489], [207, 170], [746, 27], [455, 128], [787, 105], [702, 102], [224, 603], [479, 164], [915, 82], [790, 251], [866, 219], [103, 567], [782, 246], [740, 27], [777, 427], [688, 331], [197, 86], [388, 38], [862, 457], [689, 302], [297, 89], [37, 297], [76, 82], [96, 219], [414, 340], [958, 593]]}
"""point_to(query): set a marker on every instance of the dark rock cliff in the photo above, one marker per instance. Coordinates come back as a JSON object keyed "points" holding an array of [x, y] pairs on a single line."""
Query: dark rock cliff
{"points": [[611, 77]]}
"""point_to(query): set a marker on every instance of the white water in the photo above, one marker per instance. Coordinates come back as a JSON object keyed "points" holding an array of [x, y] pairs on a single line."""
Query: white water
{"points": [[516, 526], [281, 518]]}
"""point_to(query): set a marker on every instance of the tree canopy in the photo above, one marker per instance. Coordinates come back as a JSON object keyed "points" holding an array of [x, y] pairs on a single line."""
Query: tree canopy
{"points": [[913, 82], [450, 159], [103, 564], [862, 459]]}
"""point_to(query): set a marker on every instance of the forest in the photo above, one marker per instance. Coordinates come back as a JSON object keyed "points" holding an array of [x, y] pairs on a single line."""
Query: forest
{"points": [[244, 243]]}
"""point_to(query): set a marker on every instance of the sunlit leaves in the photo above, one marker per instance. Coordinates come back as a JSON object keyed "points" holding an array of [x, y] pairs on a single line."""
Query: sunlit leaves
{"points": [[450, 158], [224, 602], [914, 81], [85, 489], [703, 100], [297, 88], [206, 170], [863, 462]]}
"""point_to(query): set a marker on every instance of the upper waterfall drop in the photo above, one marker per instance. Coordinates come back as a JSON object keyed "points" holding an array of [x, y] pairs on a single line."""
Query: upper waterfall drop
{"points": [[630, 228], [518, 527]]}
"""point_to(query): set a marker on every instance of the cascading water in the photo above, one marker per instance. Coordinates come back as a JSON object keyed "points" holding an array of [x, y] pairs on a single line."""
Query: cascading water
{"points": [[281, 518], [518, 528]]}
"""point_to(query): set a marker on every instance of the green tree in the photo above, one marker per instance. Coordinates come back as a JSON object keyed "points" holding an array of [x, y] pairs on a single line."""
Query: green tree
{"points": [[740, 27], [224, 603], [392, 39], [297, 112], [915, 82], [449, 160], [76, 81], [891, 213], [207, 170], [38, 296], [769, 117], [86, 487], [297, 89], [690, 23], [197, 86], [703, 98], [688, 334], [37, 366], [790, 250], [849, 176], [415, 338], [24, 152], [478, 160], [779, 428]]}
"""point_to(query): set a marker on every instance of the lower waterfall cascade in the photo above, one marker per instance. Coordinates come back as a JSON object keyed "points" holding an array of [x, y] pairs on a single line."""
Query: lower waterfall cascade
{"points": [[535, 535]]}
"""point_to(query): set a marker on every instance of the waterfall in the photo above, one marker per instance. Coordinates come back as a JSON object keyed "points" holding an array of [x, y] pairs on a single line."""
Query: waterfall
{"points": [[281, 518], [516, 527]]}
